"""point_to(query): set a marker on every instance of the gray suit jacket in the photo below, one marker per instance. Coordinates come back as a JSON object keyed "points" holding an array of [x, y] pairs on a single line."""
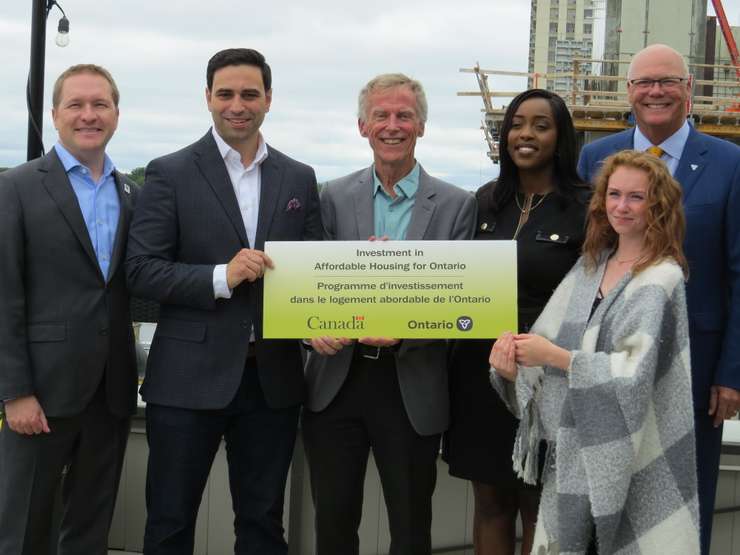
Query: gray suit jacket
{"points": [[441, 212], [63, 326]]}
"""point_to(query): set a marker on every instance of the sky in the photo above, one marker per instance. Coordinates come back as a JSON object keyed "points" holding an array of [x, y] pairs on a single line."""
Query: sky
{"points": [[321, 54]]}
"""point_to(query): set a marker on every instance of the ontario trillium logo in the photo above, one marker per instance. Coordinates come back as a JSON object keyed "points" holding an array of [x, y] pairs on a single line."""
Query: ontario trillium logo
{"points": [[464, 323]]}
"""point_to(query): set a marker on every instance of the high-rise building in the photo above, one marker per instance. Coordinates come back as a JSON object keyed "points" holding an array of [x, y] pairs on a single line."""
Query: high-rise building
{"points": [[631, 25], [563, 30], [560, 31]]}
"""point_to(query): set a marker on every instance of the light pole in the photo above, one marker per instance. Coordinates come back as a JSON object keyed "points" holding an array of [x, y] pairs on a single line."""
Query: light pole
{"points": [[35, 85]]}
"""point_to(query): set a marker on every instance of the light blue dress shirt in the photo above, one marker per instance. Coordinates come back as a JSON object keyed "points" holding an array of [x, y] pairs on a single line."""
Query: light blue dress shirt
{"points": [[672, 146], [393, 215], [99, 204]]}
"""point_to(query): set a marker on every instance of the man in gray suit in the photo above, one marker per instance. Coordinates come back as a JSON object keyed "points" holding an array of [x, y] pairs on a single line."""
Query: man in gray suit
{"points": [[67, 362], [381, 393]]}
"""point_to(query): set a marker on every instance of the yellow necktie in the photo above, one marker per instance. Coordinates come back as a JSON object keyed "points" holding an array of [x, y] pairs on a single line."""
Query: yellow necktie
{"points": [[656, 151]]}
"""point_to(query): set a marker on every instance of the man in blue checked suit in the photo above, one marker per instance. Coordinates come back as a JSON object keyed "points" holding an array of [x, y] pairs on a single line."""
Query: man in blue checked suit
{"points": [[196, 247], [708, 170]]}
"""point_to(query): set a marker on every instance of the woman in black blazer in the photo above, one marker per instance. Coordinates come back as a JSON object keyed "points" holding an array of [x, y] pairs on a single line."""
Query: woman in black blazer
{"points": [[540, 201]]}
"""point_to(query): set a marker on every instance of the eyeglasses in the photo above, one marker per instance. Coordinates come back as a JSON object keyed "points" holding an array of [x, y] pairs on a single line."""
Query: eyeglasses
{"points": [[666, 83]]}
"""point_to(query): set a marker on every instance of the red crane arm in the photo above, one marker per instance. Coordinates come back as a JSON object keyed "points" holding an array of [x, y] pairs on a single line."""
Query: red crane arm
{"points": [[727, 34]]}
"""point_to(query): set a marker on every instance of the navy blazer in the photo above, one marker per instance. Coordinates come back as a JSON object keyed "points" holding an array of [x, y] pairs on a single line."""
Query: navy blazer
{"points": [[187, 222], [63, 326], [709, 173]]}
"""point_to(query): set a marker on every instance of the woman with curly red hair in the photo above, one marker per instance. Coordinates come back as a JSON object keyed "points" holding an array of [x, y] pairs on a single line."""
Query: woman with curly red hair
{"points": [[604, 378]]}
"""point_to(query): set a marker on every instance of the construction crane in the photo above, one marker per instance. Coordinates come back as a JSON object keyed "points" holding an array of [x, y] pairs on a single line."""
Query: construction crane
{"points": [[727, 34], [724, 25]]}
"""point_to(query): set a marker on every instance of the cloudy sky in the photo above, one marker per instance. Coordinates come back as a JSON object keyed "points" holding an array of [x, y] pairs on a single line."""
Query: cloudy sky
{"points": [[321, 52]]}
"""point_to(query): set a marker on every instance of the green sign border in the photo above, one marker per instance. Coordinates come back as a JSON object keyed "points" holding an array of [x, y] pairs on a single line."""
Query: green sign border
{"points": [[400, 289]]}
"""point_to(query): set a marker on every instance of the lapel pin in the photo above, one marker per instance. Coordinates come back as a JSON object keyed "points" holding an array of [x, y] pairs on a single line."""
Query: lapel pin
{"points": [[126, 189], [694, 166]]}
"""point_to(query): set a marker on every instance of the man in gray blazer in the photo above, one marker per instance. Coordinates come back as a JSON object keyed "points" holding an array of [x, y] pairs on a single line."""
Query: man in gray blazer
{"points": [[381, 393], [67, 362]]}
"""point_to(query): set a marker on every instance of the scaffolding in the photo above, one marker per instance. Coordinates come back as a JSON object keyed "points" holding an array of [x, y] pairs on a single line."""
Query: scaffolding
{"points": [[598, 103]]}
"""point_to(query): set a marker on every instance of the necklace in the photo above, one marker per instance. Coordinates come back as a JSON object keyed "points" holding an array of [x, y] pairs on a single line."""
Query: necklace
{"points": [[528, 206]]}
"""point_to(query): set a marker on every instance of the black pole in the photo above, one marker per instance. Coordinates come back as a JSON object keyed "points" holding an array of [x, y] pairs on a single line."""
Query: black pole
{"points": [[36, 80]]}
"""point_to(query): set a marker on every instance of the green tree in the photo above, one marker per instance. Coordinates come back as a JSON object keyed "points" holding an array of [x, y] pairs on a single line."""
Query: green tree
{"points": [[137, 174]]}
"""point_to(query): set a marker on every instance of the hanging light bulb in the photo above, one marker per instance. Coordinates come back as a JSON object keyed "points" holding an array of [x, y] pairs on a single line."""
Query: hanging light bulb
{"points": [[62, 38]]}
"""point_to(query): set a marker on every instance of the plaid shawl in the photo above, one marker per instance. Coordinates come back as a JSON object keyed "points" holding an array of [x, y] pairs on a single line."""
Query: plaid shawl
{"points": [[619, 422]]}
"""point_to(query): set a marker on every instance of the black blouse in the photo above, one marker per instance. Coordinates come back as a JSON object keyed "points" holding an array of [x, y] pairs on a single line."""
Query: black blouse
{"points": [[548, 244]]}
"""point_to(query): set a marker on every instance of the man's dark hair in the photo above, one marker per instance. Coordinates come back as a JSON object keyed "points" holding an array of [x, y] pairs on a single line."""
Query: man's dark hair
{"points": [[238, 57]]}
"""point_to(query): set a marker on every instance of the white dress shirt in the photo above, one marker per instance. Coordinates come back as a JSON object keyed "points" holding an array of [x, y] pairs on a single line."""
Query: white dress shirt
{"points": [[246, 182]]}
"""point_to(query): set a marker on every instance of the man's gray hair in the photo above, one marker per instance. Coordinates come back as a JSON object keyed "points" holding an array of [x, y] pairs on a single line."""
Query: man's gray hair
{"points": [[389, 81]]}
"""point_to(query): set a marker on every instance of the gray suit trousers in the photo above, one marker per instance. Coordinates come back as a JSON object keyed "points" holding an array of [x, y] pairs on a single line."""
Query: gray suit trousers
{"points": [[83, 455]]}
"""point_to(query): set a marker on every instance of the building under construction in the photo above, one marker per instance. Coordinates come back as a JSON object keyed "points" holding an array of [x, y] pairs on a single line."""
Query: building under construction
{"points": [[581, 49]]}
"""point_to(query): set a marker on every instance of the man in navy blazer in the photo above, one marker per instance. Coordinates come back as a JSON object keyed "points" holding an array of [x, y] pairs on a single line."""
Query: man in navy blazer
{"points": [[67, 361], [708, 170], [196, 247]]}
